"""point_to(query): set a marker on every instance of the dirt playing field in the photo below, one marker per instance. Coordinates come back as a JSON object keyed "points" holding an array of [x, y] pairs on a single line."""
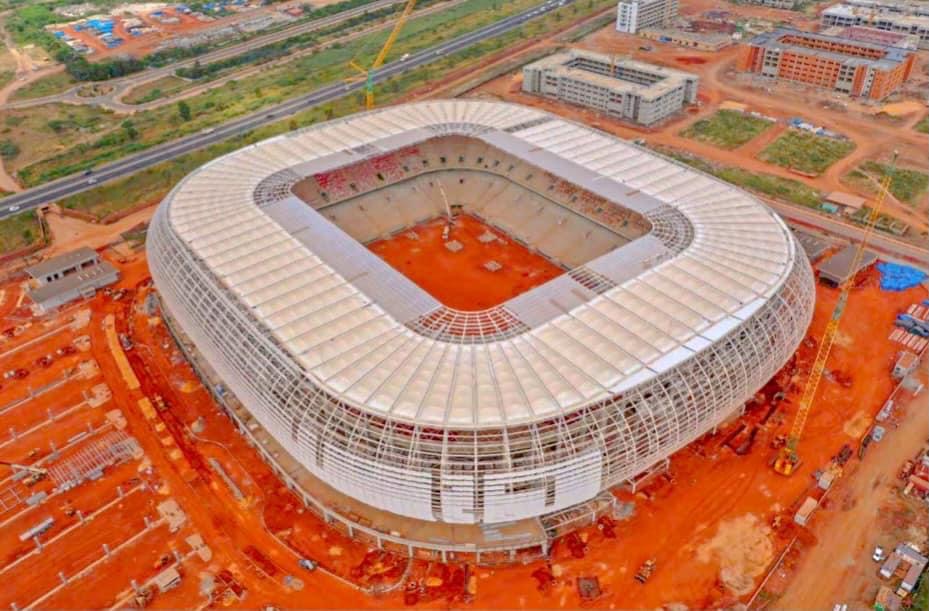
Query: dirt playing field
{"points": [[459, 279]]}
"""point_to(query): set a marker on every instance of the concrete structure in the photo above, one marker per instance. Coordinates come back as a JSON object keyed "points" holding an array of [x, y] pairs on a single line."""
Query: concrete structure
{"points": [[62, 279], [861, 33], [637, 14], [58, 267], [693, 40], [905, 21], [902, 7], [621, 88], [837, 269], [473, 432], [908, 558], [853, 67]]}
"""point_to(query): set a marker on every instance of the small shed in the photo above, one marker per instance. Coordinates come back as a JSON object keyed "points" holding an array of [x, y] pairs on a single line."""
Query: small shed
{"points": [[846, 202]]}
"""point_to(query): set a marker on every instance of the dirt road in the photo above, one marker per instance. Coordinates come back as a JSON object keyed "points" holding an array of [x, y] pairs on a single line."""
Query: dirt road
{"points": [[842, 571], [69, 233]]}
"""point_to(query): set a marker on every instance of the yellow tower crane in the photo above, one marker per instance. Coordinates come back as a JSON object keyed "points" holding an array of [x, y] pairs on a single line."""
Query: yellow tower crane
{"points": [[788, 459], [368, 74]]}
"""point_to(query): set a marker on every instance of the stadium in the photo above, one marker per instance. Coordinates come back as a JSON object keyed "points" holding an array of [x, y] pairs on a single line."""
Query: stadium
{"points": [[454, 326]]}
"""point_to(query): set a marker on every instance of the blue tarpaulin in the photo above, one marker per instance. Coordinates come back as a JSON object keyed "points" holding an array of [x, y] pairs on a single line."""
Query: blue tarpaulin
{"points": [[897, 277]]}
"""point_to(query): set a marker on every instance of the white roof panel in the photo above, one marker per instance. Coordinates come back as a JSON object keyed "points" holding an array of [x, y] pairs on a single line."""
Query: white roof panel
{"points": [[350, 333]]}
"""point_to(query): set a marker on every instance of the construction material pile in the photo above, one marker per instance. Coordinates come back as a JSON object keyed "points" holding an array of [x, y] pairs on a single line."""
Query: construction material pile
{"points": [[897, 277]]}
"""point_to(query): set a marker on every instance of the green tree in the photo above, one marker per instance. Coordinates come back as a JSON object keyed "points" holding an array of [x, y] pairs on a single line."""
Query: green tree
{"points": [[183, 109], [131, 132]]}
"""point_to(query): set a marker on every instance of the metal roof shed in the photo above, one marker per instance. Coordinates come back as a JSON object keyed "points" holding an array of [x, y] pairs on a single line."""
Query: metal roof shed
{"points": [[57, 267], [849, 202], [838, 268]]}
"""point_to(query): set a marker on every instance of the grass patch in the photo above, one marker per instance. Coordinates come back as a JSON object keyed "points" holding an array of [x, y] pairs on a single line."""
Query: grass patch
{"points": [[152, 184], [920, 600], [786, 189], [47, 85], [164, 87], [923, 126], [19, 231], [906, 186], [235, 98], [806, 152], [727, 129], [45, 130]]}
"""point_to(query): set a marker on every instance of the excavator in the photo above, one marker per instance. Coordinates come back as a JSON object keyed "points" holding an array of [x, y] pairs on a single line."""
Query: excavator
{"points": [[368, 74], [37, 473], [788, 459]]}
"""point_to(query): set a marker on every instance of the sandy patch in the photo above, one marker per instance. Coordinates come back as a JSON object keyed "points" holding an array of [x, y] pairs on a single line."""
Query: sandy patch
{"points": [[856, 426], [900, 109], [742, 546]]}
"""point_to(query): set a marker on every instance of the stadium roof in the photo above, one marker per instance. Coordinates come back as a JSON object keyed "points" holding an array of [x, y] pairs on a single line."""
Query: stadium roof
{"points": [[723, 256]]}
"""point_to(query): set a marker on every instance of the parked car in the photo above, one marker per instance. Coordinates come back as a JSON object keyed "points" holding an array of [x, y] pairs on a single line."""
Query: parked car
{"points": [[878, 433], [879, 554]]}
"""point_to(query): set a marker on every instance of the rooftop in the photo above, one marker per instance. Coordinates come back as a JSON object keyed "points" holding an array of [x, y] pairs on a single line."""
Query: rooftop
{"points": [[890, 56], [71, 282], [667, 79], [846, 10], [715, 256], [838, 267], [61, 262]]}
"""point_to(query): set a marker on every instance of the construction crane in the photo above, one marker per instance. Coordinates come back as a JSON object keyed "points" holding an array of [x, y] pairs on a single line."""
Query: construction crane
{"points": [[788, 459], [368, 74]]}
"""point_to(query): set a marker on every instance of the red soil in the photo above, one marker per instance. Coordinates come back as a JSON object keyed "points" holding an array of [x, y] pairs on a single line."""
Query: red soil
{"points": [[690, 60], [459, 279]]}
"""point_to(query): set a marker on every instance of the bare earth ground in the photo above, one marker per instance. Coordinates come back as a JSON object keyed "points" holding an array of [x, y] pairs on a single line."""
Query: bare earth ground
{"points": [[856, 521], [69, 233]]}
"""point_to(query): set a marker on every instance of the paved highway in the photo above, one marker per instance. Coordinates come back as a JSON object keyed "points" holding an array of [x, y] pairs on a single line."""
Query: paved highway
{"points": [[122, 85], [70, 185]]}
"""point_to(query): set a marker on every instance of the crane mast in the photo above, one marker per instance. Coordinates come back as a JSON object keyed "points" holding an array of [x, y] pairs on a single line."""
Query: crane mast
{"points": [[788, 458], [379, 60]]}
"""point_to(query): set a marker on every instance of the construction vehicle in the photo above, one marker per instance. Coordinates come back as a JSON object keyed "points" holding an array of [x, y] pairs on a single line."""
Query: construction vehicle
{"points": [[37, 474], [788, 459], [645, 571], [368, 74]]}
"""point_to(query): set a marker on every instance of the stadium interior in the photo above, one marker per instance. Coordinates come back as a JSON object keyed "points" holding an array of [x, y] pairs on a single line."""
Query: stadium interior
{"points": [[389, 194]]}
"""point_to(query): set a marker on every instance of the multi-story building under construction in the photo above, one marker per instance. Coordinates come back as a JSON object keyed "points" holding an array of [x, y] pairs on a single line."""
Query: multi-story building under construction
{"points": [[622, 88], [856, 67]]}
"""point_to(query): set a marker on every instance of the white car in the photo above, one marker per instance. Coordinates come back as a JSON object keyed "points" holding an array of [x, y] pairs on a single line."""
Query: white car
{"points": [[878, 555], [92, 181], [13, 208]]}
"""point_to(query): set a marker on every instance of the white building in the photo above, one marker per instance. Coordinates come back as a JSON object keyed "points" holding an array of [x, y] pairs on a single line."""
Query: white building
{"points": [[637, 14], [625, 89], [912, 23]]}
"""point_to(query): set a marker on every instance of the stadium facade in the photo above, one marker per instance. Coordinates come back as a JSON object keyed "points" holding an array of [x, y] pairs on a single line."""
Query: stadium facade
{"points": [[432, 422]]}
